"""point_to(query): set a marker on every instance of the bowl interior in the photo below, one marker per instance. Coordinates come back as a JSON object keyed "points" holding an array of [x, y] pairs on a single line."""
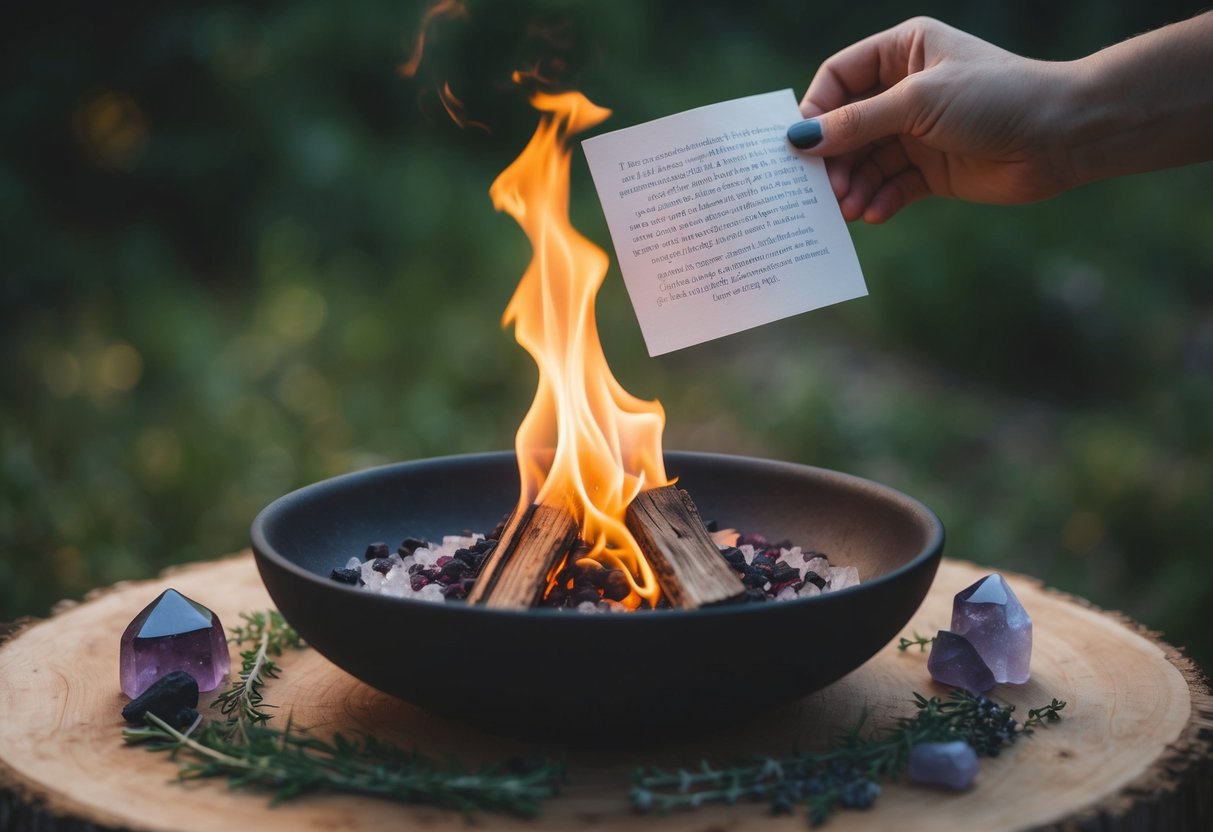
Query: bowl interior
{"points": [[526, 671]]}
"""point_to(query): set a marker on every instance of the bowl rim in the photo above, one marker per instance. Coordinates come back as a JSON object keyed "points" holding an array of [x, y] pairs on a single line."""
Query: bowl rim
{"points": [[263, 550]]}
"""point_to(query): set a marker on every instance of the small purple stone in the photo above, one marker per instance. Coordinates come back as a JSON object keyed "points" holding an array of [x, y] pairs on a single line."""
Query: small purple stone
{"points": [[990, 616], [953, 661], [947, 765], [173, 633]]}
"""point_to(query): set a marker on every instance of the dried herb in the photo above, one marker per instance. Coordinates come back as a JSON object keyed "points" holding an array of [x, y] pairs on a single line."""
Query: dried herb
{"points": [[242, 703], [290, 762], [921, 642], [848, 776]]}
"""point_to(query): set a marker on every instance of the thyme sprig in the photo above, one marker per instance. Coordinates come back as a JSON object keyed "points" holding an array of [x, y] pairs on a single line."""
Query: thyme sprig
{"points": [[290, 762], [847, 776]]}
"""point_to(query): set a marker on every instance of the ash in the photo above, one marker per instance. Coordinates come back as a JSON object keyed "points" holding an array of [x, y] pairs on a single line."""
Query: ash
{"points": [[436, 573]]}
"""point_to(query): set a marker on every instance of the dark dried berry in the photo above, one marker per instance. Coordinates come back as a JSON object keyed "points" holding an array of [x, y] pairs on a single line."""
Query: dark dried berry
{"points": [[499, 529], [764, 562], [418, 581], [815, 579], [734, 556], [557, 597], [467, 557], [166, 698], [383, 565], [454, 569], [376, 550], [415, 569], [754, 595], [347, 576], [754, 578], [484, 546], [443, 561], [784, 572], [617, 585], [412, 544], [455, 591], [810, 555], [711, 526]]}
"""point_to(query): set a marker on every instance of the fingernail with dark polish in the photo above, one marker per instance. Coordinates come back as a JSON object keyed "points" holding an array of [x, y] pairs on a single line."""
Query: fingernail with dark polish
{"points": [[805, 134]]}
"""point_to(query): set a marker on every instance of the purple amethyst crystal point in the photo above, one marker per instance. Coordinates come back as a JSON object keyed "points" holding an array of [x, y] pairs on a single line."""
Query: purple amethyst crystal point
{"points": [[173, 633], [948, 765], [990, 616], [953, 661]]}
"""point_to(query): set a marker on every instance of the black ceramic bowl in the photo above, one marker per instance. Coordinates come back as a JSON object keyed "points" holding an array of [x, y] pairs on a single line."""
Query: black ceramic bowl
{"points": [[518, 671]]}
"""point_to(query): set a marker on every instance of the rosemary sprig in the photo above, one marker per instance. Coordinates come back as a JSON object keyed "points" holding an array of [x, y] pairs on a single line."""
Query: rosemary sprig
{"points": [[921, 642], [243, 702], [847, 776], [290, 762]]}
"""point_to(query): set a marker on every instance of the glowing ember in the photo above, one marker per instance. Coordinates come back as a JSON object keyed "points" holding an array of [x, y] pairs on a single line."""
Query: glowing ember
{"points": [[586, 442]]}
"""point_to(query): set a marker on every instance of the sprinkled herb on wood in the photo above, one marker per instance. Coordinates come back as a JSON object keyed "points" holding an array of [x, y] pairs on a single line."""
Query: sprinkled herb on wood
{"points": [[848, 776], [290, 762]]}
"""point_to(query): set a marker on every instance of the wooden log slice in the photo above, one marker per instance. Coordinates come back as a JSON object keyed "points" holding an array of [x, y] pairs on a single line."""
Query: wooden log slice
{"points": [[1133, 752]]}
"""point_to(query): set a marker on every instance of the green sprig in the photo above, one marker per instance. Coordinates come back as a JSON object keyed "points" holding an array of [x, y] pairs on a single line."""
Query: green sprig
{"points": [[847, 776], [921, 642], [290, 762], [243, 703]]}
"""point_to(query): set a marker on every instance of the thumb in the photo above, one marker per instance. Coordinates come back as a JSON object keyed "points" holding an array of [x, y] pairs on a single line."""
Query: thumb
{"points": [[852, 125]]}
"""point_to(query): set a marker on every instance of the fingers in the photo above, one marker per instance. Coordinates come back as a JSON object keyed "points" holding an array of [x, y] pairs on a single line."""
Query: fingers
{"points": [[908, 186], [868, 176], [876, 185], [853, 125]]}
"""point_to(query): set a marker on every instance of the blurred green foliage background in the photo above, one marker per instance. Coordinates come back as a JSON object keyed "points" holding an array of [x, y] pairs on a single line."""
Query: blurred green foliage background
{"points": [[241, 253]]}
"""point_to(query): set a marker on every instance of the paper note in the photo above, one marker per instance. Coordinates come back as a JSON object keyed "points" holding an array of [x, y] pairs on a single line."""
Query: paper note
{"points": [[719, 224]]}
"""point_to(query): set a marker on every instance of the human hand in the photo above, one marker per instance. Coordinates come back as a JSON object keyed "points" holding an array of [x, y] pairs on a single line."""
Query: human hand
{"points": [[923, 109]]}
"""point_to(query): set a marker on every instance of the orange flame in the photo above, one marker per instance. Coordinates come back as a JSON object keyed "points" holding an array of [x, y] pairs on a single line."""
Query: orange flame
{"points": [[586, 441], [455, 109], [443, 8]]}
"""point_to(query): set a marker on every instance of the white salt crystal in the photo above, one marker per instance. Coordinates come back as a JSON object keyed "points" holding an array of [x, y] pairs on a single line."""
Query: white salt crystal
{"points": [[842, 577], [397, 589], [587, 607], [748, 552], [456, 542], [787, 593], [819, 565], [430, 592], [372, 579], [406, 562], [808, 590], [353, 563], [425, 557]]}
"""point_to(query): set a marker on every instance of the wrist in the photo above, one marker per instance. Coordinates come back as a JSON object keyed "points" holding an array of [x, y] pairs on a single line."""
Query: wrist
{"points": [[1080, 118]]}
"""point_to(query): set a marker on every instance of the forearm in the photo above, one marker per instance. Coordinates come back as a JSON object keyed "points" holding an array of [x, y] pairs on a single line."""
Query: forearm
{"points": [[1143, 104]]}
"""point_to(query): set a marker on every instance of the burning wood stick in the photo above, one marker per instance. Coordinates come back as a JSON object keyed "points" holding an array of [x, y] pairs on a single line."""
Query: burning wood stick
{"points": [[515, 575], [672, 536]]}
